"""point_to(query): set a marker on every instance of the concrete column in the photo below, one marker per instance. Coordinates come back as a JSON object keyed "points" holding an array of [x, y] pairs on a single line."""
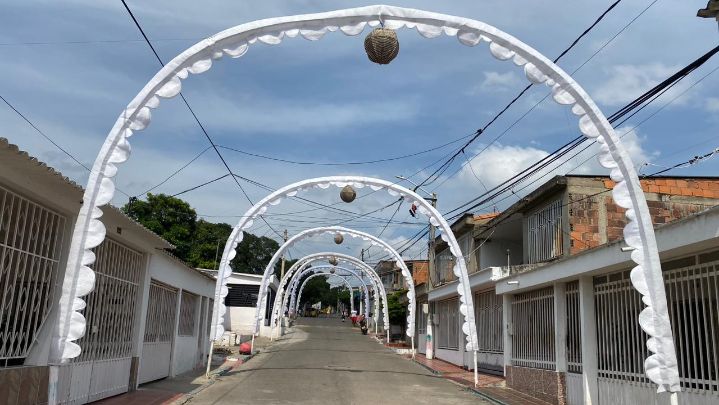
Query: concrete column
{"points": [[588, 324], [508, 329], [175, 331], [560, 327], [140, 317]]}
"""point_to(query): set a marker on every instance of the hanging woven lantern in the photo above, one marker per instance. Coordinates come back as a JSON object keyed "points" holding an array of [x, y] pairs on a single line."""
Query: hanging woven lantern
{"points": [[332, 261], [348, 194], [339, 238], [332, 270], [381, 45]]}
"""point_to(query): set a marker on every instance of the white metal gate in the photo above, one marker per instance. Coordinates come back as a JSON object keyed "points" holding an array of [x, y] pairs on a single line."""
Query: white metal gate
{"points": [[30, 245], [533, 329], [159, 333], [488, 316], [103, 368]]}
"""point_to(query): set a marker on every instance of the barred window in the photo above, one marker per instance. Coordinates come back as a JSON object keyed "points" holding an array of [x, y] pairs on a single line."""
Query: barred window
{"points": [[160, 319], [488, 319], [242, 295], [30, 246], [448, 329], [533, 334], [693, 303], [110, 310], [544, 233], [188, 312], [444, 265]]}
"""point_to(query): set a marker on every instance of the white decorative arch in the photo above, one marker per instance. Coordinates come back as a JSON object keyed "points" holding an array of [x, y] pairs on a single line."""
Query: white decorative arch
{"points": [[89, 232], [302, 264], [331, 230], [328, 275], [294, 284]]}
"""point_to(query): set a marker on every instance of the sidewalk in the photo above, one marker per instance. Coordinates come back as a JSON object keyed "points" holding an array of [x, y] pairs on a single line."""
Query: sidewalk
{"points": [[179, 389], [489, 386]]}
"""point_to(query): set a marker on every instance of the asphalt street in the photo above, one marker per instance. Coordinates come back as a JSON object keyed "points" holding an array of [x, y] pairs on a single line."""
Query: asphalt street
{"points": [[326, 361]]}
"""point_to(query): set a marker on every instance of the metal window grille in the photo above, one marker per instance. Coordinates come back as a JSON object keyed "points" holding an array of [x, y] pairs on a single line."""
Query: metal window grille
{"points": [[533, 329], [448, 324], [421, 319], [693, 301], [444, 265], [160, 320], [188, 307], [488, 317], [574, 330], [110, 310], [242, 295], [544, 233], [30, 246]]}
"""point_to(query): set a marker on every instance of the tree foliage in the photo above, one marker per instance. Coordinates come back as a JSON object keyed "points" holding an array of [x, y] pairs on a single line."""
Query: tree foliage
{"points": [[397, 311], [199, 242]]}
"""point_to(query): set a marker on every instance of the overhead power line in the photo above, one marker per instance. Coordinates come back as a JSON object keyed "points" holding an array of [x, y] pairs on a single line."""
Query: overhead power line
{"points": [[197, 120], [479, 132]]}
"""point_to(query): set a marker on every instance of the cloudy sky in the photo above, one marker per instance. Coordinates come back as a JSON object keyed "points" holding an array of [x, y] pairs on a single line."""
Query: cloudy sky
{"points": [[72, 66]]}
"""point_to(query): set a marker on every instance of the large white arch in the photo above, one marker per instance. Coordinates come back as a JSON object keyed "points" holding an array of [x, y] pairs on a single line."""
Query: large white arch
{"points": [[301, 288], [89, 232], [302, 264], [331, 230], [294, 284]]}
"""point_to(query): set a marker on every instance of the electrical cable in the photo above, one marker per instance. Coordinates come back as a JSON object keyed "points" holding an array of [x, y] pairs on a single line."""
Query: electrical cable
{"points": [[197, 120]]}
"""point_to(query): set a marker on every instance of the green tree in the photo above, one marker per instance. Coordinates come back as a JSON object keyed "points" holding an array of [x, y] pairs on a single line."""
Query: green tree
{"points": [[317, 289], [208, 243], [397, 311], [171, 218]]}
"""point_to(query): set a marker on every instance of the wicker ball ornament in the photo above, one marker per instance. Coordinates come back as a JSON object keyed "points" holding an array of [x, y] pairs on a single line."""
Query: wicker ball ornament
{"points": [[332, 270], [339, 238], [381, 45], [332, 261], [348, 194]]}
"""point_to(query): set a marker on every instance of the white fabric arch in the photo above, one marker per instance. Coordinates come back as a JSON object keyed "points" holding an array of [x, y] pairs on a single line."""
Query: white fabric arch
{"points": [[89, 232], [282, 297], [304, 262], [328, 275], [331, 230], [294, 283]]}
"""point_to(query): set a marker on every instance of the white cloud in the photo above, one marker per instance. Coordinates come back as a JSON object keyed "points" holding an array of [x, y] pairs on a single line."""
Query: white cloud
{"points": [[712, 104], [627, 82], [495, 81], [303, 116]]}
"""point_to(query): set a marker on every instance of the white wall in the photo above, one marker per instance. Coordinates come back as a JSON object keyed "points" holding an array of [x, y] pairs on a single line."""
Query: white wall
{"points": [[185, 357], [494, 253], [240, 319]]}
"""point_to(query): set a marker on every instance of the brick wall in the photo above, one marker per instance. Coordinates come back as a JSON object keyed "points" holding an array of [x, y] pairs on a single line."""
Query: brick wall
{"points": [[595, 219], [545, 385], [420, 271]]}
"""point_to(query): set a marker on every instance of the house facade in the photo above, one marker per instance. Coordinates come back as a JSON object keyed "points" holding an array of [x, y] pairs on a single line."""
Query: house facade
{"points": [[555, 310], [147, 318]]}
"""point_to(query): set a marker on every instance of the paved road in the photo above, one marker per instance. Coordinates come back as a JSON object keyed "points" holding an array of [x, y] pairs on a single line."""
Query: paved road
{"points": [[325, 361]]}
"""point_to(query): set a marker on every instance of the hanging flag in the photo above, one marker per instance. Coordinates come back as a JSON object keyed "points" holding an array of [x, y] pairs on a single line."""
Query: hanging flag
{"points": [[413, 211]]}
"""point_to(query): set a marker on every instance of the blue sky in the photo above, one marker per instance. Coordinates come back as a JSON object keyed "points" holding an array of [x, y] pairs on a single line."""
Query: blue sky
{"points": [[72, 66]]}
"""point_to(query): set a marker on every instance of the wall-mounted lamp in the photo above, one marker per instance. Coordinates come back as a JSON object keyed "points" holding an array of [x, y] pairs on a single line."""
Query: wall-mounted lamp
{"points": [[513, 282], [628, 249]]}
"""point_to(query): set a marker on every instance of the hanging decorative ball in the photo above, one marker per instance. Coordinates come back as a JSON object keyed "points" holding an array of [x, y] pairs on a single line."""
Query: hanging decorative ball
{"points": [[339, 238], [332, 270], [348, 194], [381, 45], [332, 261]]}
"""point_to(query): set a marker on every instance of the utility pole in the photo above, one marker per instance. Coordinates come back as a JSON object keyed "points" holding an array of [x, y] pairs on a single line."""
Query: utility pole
{"points": [[362, 255], [282, 270], [429, 348]]}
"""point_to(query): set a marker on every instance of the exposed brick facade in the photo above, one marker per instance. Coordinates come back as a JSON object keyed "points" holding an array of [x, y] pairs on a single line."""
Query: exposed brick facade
{"points": [[594, 218]]}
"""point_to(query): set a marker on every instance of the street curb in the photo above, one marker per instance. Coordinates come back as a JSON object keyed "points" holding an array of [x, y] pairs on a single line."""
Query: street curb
{"points": [[222, 370]]}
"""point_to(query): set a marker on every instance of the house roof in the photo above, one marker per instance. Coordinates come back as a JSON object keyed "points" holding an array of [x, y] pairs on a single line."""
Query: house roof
{"points": [[43, 169]]}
